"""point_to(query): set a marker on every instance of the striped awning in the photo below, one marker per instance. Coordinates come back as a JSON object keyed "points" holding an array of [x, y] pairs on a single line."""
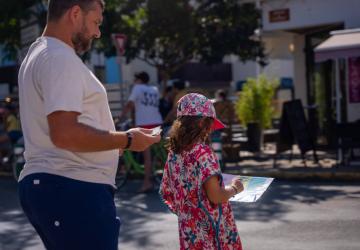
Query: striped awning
{"points": [[341, 44]]}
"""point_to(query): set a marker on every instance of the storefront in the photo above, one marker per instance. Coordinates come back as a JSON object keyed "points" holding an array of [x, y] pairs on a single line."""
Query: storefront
{"points": [[343, 49], [294, 28]]}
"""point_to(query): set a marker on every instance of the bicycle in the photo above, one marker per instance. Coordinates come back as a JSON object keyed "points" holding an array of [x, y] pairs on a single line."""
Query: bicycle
{"points": [[130, 163], [18, 160]]}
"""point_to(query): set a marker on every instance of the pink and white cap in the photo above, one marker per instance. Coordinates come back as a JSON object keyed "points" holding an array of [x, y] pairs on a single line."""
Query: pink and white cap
{"points": [[195, 104]]}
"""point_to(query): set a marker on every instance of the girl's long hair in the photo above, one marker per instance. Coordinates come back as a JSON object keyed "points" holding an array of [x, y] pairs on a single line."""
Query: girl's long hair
{"points": [[188, 130]]}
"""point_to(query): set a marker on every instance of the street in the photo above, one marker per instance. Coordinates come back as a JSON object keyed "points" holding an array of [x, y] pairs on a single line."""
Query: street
{"points": [[292, 215]]}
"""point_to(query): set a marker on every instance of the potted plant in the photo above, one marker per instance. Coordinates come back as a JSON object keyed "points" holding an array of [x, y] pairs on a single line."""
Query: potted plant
{"points": [[254, 108]]}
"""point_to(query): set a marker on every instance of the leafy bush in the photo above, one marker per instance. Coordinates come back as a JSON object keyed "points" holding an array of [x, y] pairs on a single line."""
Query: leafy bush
{"points": [[255, 101]]}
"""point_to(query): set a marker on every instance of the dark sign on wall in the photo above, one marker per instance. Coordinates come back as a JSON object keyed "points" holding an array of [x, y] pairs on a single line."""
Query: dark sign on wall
{"points": [[280, 15], [354, 80]]}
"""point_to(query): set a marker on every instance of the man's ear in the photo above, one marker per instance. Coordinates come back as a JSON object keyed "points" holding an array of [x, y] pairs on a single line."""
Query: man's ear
{"points": [[75, 14]]}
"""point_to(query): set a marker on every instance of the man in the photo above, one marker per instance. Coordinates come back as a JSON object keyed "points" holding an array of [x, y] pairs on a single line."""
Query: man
{"points": [[178, 92], [144, 99], [226, 111], [71, 146]]}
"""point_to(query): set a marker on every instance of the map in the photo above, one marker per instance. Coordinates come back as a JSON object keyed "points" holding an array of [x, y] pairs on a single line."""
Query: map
{"points": [[254, 187]]}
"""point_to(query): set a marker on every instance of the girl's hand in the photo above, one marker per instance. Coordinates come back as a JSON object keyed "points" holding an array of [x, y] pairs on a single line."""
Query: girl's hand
{"points": [[218, 194], [237, 184]]}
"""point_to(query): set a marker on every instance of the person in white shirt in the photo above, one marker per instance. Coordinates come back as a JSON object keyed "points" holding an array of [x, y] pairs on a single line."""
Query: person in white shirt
{"points": [[71, 147], [144, 99]]}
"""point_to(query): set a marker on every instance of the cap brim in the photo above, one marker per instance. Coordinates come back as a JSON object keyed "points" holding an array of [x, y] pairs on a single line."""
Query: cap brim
{"points": [[218, 125]]}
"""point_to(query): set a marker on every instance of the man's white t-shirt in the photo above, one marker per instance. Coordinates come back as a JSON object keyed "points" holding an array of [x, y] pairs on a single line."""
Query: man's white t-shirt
{"points": [[146, 100], [53, 78]]}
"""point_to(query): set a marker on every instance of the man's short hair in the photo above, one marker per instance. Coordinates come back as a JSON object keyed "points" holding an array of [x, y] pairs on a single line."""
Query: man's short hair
{"points": [[142, 76], [57, 8]]}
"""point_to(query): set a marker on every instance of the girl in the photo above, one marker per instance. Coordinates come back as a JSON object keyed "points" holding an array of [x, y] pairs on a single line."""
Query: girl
{"points": [[192, 186]]}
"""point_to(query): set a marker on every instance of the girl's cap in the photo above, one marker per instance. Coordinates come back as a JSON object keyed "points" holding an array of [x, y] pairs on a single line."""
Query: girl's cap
{"points": [[195, 104]]}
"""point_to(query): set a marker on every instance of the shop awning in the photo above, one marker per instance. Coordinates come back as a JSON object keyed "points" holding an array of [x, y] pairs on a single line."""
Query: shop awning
{"points": [[341, 44]]}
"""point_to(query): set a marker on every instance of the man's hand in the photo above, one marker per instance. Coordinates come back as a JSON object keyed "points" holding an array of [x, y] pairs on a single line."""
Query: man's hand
{"points": [[142, 139]]}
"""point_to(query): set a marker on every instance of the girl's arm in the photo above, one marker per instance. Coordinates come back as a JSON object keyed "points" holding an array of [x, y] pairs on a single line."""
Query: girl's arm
{"points": [[218, 194]]}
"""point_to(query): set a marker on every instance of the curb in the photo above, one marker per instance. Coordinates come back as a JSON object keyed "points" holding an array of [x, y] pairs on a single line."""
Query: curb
{"points": [[284, 174], [336, 175]]}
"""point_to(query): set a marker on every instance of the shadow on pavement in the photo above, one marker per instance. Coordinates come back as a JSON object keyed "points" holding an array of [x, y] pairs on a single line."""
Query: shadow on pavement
{"points": [[15, 230], [144, 216], [135, 210], [273, 204]]}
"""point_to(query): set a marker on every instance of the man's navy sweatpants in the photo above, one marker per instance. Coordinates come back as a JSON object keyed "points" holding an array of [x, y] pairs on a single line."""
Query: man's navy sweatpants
{"points": [[69, 214]]}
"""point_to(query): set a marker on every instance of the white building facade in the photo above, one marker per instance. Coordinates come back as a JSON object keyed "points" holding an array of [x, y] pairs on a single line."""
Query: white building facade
{"points": [[290, 30]]}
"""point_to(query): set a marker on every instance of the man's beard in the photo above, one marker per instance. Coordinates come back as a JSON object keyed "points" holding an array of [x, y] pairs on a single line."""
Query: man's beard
{"points": [[81, 42]]}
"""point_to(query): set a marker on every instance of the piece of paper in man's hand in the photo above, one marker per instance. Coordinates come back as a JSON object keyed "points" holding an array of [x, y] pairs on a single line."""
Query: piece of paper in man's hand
{"points": [[254, 187], [156, 131]]}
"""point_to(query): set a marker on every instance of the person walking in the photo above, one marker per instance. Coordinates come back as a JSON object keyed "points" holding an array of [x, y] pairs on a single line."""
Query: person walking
{"points": [[144, 99], [71, 147], [166, 101], [192, 185], [178, 91]]}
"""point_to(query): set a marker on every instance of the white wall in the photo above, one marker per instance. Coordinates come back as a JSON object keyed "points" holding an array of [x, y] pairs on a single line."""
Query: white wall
{"points": [[278, 44], [299, 69], [278, 68], [280, 59], [128, 71], [243, 70], [305, 13]]}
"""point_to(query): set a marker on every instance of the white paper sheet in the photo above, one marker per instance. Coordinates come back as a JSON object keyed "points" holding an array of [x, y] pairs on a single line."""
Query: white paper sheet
{"points": [[254, 187]]}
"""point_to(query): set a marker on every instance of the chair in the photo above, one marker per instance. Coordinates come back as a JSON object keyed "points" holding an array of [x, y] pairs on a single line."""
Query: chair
{"points": [[348, 139]]}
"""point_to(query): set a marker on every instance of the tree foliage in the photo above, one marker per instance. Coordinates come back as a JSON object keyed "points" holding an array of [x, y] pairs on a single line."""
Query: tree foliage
{"points": [[164, 33], [12, 12], [167, 34]]}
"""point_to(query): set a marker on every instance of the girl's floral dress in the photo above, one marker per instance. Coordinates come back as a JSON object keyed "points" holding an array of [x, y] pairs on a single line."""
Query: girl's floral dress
{"points": [[202, 224]]}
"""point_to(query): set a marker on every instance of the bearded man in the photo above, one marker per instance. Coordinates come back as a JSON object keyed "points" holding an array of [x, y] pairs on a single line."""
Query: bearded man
{"points": [[71, 147]]}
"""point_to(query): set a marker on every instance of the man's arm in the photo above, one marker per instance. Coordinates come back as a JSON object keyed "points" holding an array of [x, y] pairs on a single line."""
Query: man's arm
{"points": [[67, 133]]}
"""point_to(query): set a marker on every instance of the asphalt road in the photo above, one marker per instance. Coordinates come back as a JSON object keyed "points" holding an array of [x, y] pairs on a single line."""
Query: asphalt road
{"points": [[290, 216]]}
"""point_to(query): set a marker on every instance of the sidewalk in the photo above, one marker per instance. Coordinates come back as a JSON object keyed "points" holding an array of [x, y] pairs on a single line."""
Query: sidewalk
{"points": [[262, 165]]}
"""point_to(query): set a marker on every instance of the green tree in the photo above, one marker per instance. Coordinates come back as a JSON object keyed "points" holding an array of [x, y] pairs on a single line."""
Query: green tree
{"points": [[167, 34], [12, 12]]}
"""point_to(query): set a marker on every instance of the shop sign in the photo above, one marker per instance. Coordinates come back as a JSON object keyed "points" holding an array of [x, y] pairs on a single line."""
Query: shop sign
{"points": [[280, 15]]}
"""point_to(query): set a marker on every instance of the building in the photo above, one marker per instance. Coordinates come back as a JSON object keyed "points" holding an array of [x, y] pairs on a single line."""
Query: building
{"points": [[290, 30]]}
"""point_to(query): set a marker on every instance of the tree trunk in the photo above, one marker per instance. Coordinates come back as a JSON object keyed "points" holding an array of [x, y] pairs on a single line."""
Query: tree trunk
{"points": [[164, 76]]}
